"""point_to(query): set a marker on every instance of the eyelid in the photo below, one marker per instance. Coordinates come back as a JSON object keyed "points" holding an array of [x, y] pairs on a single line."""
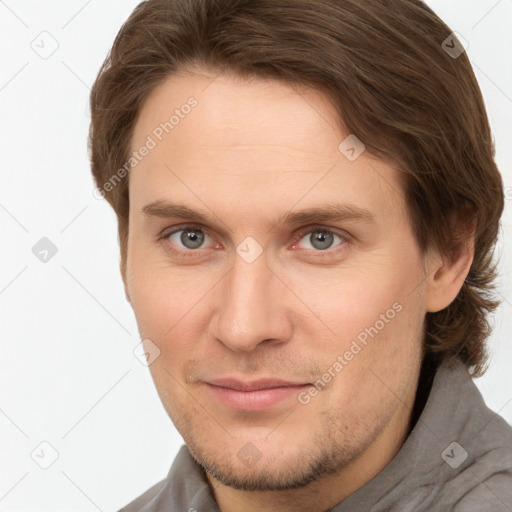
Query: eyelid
{"points": [[319, 227], [170, 231]]}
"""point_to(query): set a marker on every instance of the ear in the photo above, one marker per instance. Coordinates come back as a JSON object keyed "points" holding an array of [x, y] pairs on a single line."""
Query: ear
{"points": [[447, 273]]}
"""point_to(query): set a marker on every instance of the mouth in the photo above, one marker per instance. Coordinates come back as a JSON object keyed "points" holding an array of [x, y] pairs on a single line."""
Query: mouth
{"points": [[253, 396]]}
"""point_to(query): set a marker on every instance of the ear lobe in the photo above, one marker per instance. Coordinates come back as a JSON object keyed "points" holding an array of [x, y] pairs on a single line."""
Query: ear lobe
{"points": [[447, 273]]}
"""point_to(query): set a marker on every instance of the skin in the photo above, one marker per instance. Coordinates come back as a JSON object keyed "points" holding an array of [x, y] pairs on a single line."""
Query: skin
{"points": [[248, 153]]}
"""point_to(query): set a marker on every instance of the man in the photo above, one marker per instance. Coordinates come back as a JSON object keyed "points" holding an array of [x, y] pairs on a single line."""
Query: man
{"points": [[307, 203]]}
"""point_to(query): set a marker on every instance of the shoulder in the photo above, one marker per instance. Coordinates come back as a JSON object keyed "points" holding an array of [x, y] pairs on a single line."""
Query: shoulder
{"points": [[184, 486], [491, 495], [145, 501], [466, 448], [484, 483]]}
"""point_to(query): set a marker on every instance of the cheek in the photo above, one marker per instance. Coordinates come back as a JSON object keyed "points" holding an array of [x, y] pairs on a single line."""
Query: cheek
{"points": [[377, 320], [361, 303], [170, 306], [368, 367], [152, 303], [377, 346]]}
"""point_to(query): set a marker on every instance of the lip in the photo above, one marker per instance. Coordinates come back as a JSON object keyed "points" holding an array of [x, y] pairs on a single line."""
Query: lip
{"points": [[256, 395], [255, 385]]}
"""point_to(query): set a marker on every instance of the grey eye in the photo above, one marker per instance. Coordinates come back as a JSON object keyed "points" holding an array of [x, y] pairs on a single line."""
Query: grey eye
{"points": [[320, 239], [189, 238]]}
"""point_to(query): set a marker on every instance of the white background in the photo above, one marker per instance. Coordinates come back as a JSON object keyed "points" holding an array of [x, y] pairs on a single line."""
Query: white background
{"points": [[68, 374]]}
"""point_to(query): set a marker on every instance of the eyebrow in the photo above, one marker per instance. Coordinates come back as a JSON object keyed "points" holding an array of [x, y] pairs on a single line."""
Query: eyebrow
{"points": [[327, 213]]}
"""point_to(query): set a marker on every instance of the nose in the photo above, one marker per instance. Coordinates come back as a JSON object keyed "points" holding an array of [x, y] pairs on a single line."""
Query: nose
{"points": [[252, 307]]}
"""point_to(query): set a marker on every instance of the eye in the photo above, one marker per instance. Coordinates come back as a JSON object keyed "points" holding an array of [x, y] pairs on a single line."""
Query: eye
{"points": [[188, 237], [320, 239]]}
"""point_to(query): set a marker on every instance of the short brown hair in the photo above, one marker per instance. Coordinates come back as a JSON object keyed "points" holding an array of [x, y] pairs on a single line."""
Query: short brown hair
{"points": [[386, 67]]}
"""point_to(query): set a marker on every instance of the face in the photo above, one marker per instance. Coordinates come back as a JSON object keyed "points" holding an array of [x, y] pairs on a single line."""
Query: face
{"points": [[262, 254]]}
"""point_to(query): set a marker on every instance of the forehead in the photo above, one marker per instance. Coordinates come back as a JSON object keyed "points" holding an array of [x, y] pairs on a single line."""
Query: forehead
{"points": [[233, 112], [252, 144]]}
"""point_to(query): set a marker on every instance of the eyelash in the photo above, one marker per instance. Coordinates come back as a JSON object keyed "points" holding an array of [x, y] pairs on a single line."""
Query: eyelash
{"points": [[300, 234]]}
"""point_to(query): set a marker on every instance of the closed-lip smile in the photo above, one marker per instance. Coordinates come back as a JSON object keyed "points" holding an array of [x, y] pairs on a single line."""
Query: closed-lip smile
{"points": [[255, 395], [255, 385]]}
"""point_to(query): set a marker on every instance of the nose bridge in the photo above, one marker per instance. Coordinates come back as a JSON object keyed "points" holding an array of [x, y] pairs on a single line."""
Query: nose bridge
{"points": [[248, 311]]}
